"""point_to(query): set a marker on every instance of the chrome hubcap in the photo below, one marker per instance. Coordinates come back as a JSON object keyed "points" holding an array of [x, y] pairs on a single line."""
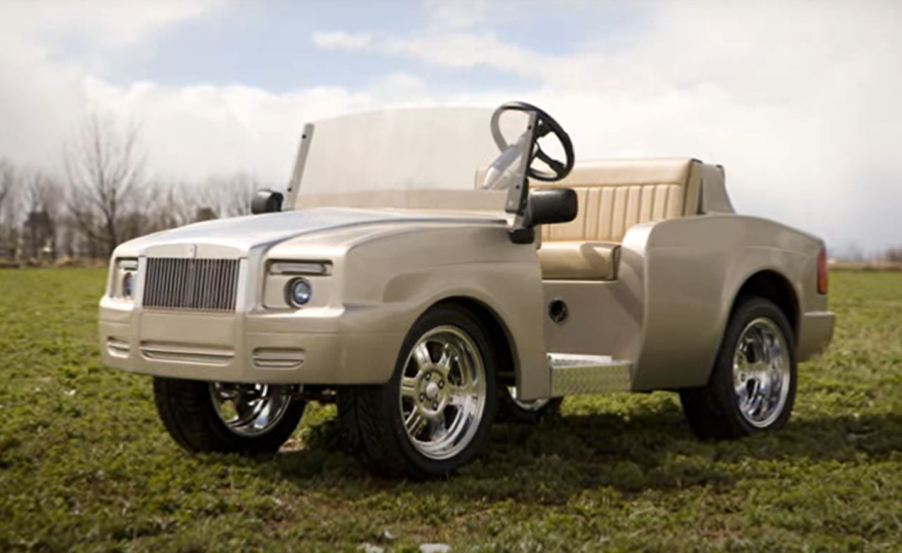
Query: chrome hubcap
{"points": [[534, 405], [442, 392], [250, 409], [761, 372]]}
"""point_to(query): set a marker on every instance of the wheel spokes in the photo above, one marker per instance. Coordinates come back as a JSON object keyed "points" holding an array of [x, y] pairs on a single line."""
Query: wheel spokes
{"points": [[409, 386], [415, 422], [250, 409], [761, 371], [422, 357], [441, 392]]}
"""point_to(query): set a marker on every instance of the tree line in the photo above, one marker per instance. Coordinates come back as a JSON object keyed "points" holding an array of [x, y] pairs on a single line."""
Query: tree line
{"points": [[103, 197]]}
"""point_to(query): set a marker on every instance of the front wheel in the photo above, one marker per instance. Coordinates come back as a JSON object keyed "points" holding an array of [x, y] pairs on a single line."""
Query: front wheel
{"points": [[227, 417], [435, 413], [753, 383]]}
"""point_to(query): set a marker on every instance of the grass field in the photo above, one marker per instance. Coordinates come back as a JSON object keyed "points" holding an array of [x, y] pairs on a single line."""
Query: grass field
{"points": [[85, 465]]}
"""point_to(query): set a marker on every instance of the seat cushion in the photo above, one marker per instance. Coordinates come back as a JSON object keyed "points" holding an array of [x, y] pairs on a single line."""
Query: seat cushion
{"points": [[579, 260]]}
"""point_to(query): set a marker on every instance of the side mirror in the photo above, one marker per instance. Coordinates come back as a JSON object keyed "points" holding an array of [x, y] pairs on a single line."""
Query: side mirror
{"points": [[266, 201], [556, 205]]}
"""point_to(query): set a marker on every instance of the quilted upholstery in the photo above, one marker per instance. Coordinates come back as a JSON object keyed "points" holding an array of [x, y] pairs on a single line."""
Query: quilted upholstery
{"points": [[615, 195]]}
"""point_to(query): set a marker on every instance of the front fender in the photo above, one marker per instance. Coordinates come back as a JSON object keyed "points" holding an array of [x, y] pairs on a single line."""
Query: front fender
{"points": [[399, 276]]}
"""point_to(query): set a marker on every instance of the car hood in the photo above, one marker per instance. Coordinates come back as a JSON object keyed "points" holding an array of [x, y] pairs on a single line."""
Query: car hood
{"points": [[263, 231]]}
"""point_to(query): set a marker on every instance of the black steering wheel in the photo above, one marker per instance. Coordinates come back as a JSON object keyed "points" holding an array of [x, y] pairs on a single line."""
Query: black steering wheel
{"points": [[544, 124]]}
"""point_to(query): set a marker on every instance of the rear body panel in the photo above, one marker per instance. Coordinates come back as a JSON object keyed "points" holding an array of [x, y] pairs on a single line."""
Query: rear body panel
{"points": [[677, 284]]}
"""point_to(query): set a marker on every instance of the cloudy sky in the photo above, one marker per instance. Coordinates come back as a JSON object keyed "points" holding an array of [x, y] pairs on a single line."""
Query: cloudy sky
{"points": [[799, 100]]}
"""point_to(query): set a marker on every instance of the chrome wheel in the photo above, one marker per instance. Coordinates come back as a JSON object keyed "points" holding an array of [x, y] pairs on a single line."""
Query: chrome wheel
{"points": [[250, 409], [443, 392], [534, 405], [761, 372]]}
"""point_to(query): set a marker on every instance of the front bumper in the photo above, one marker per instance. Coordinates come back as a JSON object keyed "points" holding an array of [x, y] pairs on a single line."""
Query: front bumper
{"points": [[331, 348]]}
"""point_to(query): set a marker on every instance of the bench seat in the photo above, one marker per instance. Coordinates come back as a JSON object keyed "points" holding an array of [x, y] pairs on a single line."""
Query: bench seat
{"points": [[614, 196]]}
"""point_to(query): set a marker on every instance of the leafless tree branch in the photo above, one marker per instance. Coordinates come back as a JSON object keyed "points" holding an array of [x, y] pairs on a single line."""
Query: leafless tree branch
{"points": [[104, 168]]}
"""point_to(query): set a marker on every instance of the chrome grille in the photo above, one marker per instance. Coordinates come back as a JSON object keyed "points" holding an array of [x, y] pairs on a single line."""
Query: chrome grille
{"points": [[197, 284]]}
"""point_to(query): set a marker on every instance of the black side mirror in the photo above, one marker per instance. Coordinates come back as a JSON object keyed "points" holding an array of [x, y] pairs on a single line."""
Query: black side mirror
{"points": [[266, 201], [555, 205]]}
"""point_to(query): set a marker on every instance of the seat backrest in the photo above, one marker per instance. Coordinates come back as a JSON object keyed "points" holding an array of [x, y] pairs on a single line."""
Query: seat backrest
{"points": [[615, 195]]}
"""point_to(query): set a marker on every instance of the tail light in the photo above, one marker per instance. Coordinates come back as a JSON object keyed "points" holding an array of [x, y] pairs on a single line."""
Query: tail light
{"points": [[822, 271]]}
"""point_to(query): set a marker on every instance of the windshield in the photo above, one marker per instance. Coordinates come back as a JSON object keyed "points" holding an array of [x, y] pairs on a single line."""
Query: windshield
{"points": [[412, 158]]}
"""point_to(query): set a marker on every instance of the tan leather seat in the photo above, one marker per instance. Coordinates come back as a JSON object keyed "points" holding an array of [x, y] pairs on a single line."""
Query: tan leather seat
{"points": [[579, 260], [614, 196]]}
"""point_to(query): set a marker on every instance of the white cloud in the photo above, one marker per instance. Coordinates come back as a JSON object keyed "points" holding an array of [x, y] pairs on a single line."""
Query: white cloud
{"points": [[43, 90], [457, 14], [193, 131], [798, 102], [342, 40]]}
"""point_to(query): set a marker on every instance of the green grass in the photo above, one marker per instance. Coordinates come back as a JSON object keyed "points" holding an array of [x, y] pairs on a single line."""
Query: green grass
{"points": [[85, 465]]}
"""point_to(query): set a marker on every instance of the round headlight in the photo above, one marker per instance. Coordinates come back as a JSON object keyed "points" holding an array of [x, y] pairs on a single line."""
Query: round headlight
{"points": [[299, 291], [128, 284]]}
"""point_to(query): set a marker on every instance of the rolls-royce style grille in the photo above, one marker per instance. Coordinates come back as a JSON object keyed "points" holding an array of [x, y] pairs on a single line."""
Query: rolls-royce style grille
{"points": [[198, 284]]}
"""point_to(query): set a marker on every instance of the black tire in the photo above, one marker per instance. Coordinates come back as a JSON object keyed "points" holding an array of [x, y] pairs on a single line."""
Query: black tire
{"points": [[713, 411], [371, 415], [187, 411], [509, 410]]}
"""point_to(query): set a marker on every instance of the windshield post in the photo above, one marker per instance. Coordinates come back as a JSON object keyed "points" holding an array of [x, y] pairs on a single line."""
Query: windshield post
{"points": [[518, 194], [298, 173]]}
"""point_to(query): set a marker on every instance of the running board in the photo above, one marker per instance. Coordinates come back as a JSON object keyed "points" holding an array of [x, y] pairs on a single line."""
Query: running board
{"points": [[587, 374]]}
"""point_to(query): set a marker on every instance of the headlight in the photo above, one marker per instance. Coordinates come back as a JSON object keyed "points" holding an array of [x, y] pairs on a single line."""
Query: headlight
{"points": [[125, 279], [298, 292], [128, 285], [289, 284]]}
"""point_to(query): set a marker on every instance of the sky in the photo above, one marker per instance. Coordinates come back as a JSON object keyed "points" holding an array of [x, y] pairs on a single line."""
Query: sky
{"points": [[800, 101]]}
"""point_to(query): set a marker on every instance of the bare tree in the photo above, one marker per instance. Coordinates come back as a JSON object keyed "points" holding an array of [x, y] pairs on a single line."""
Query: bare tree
{"points": [[41, 202], [893, 255], [179, 204], [10, 192], [227, 196], [7, 175], [104, 171]]}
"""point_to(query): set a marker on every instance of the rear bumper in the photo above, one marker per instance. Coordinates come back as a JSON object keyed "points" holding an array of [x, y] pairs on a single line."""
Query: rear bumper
{"points": [[246, 347], [815, 333]]}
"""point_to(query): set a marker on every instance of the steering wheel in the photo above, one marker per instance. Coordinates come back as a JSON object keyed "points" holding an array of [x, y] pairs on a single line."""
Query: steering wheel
{"points": [[544, 124]]}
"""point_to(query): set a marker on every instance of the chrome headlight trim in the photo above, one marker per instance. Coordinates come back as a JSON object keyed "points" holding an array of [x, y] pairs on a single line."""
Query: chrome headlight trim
{"points": [[320, 268]]}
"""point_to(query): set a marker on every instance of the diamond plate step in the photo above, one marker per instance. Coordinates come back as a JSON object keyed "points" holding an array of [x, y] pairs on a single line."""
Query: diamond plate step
{"points": [[587, 374]]}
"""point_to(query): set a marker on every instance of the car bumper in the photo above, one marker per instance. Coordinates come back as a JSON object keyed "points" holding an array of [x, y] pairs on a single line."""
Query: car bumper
{"points": [[815, 333], [266, 347]]}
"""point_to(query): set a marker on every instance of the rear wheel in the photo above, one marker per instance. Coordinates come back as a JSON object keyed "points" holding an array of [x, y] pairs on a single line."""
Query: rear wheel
{"points": [[435, 413], [513, 409], [753, 384], [227, 417]]}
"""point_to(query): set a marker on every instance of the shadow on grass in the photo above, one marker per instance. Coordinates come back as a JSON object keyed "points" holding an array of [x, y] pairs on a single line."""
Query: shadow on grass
{"points": [[559, 458]]}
